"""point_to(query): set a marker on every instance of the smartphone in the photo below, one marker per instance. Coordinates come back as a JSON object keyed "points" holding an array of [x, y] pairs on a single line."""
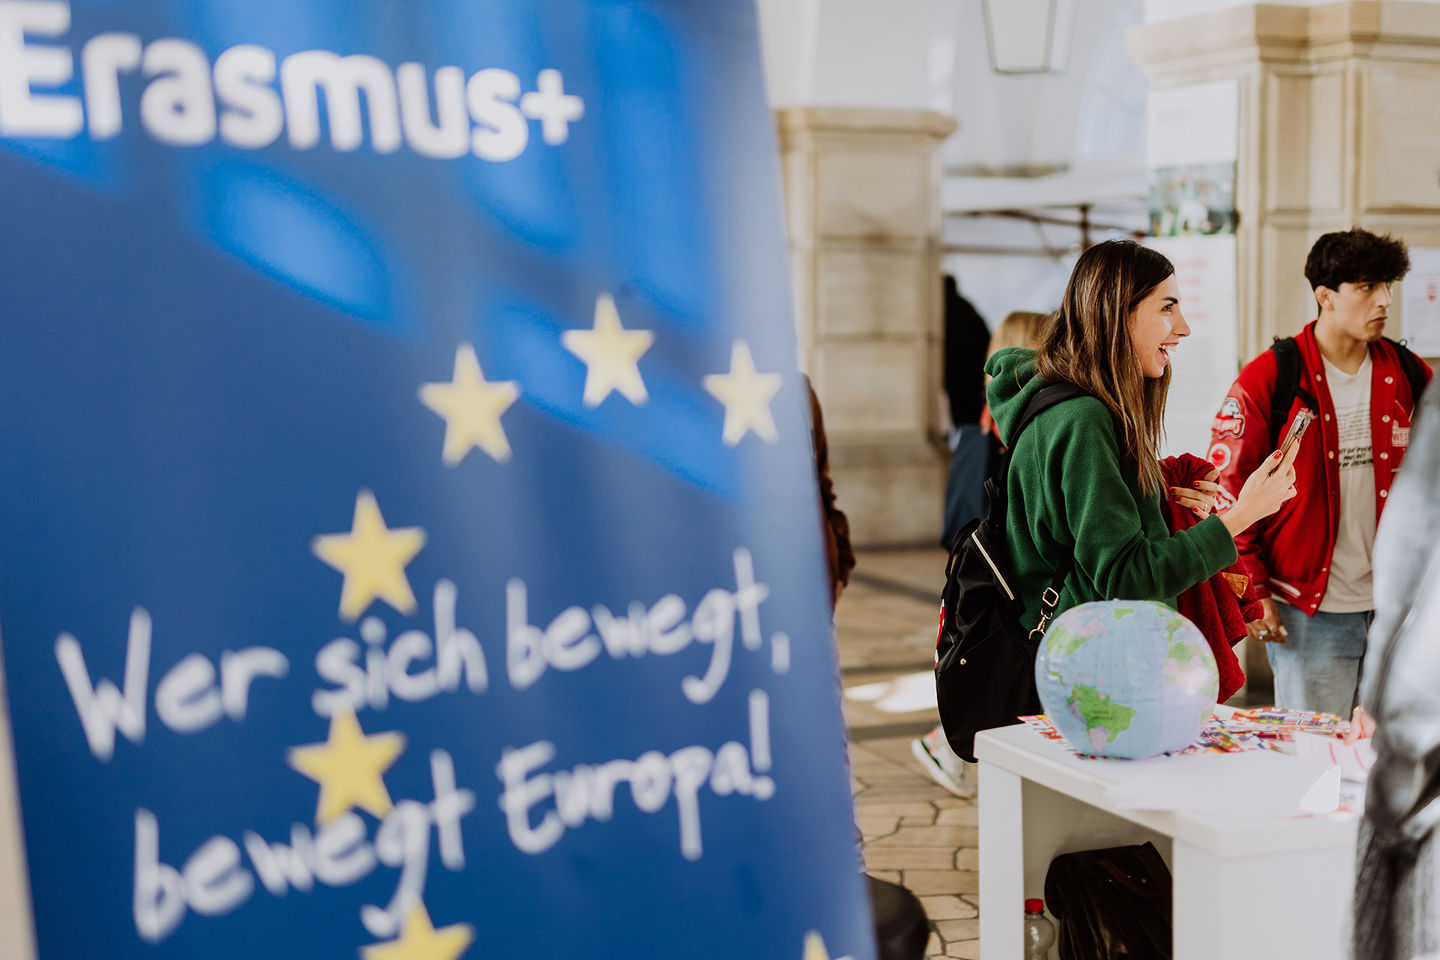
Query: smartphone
{"points": [[1297, 430]]}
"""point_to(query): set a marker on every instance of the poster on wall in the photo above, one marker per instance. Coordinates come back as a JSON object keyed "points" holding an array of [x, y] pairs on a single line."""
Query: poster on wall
{"points": [[411, 542], [1191, 151], [1420, 302], [1206, 362]]}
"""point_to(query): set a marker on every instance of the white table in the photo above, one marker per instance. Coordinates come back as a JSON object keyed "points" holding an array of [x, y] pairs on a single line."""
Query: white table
{"points": [[1244, 886]]}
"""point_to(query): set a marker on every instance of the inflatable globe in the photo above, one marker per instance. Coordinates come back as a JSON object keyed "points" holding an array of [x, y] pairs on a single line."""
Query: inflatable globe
{"points": [[1126, 678]]}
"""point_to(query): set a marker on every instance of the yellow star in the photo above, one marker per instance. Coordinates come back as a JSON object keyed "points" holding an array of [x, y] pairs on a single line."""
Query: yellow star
{"points": [[611, 354], [349, 766], [419, 940], [746, 394], [815, 948], [372, 558], [471, 408]]}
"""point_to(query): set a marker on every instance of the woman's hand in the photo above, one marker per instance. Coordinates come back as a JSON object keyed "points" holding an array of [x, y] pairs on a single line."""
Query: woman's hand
{"points": [[1200, 498], [1272, 483]]}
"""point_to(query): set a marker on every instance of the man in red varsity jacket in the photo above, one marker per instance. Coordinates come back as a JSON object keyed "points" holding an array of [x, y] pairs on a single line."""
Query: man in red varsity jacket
{"points": [[1310, 562]]}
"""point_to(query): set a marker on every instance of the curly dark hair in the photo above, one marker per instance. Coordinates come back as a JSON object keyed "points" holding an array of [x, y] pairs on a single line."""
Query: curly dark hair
{"points": [[1356, 256]]}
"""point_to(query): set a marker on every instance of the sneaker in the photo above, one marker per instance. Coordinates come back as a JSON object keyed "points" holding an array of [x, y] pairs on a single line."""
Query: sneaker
{"points": [[941, 763]]}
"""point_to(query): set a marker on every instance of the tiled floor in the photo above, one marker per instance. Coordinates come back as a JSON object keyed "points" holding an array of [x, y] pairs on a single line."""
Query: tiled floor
{"points": [[915, 833]]}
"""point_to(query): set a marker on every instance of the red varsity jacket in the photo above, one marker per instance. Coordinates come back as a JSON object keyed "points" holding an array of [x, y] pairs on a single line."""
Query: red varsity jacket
{"points": [[1288, 554]]}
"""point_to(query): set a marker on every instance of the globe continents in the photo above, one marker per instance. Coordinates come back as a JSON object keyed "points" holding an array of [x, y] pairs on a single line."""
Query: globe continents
{"points": [[1126, 678]]}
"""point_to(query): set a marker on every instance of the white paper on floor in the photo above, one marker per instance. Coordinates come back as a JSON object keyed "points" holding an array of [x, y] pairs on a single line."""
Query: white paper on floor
{"points": [[1258, 783], [908, 694]]}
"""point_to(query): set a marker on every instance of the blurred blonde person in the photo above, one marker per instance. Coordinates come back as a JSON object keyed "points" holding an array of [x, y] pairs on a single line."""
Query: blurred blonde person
{"points": [[1020, 328]]}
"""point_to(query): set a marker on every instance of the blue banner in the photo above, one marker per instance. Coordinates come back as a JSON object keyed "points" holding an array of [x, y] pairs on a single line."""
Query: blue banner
{"points": [[410, 546]]}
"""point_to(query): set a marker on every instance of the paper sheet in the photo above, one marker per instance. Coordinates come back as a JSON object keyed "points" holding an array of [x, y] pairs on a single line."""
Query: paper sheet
{"points": [[1354, 759], [1420, 302]]}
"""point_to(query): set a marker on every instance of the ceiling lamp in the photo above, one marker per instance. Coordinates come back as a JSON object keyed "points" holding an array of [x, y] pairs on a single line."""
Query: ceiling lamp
{"points": [[1028, 36]]}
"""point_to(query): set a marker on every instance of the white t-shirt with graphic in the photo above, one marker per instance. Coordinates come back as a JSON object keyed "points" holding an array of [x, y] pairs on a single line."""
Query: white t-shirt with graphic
{"points": [[1351, 587]]}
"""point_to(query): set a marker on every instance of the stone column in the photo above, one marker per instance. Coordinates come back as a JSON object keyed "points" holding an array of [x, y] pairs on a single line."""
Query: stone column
{"points": [[1338, 107], [862, 191]]}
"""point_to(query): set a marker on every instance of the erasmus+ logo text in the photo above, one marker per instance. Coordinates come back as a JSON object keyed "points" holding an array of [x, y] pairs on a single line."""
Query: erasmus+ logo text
{"points": [[187, 101]]}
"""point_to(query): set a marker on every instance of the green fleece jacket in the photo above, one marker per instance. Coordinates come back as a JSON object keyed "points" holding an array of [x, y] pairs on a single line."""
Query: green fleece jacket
{"points": [[1069, 496]]}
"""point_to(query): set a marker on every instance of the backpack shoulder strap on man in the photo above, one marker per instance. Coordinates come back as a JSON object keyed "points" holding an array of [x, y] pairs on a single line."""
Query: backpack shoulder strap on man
{"points": [[1287, 385], [1287, 380], [1414, 372]]}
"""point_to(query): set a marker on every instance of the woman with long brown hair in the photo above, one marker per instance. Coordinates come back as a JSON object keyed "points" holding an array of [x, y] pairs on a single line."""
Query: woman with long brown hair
{"points": [[1084, 483]]}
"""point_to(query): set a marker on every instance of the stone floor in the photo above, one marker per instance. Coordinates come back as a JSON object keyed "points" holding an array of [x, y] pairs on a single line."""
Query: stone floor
{"points": [[915, 833]]}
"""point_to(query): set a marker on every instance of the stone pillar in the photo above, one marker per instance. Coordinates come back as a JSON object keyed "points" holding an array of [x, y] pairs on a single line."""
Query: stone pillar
{"points": [[862, 191], [1338, 107], [1337, 128]]}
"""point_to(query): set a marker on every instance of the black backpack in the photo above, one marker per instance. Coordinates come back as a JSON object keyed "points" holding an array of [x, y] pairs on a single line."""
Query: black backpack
{"points": [[1287, 381], [984, 659]]}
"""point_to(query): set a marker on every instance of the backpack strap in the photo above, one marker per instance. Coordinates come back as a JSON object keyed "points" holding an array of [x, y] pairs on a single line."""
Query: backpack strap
{"points": [[1042, 400], [1050, 599], [1414, 372], [995, 481], [1287, 385], [1287, 380]]}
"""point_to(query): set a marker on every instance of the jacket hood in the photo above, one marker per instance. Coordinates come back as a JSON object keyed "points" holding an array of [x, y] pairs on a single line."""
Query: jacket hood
{"points": [[1014, 381]]}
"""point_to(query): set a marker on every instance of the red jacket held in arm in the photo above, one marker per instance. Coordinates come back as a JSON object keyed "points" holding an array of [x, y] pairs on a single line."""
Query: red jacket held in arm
{"points": [[1222, 605], [1288, 554]]}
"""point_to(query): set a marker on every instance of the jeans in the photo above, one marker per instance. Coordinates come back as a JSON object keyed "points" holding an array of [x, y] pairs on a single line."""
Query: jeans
{"points": [[1317, 668], [965, 485]]}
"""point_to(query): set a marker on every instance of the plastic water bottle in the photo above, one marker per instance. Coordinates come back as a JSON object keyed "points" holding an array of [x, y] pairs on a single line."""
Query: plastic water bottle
{"points": [[1039, 932]]}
